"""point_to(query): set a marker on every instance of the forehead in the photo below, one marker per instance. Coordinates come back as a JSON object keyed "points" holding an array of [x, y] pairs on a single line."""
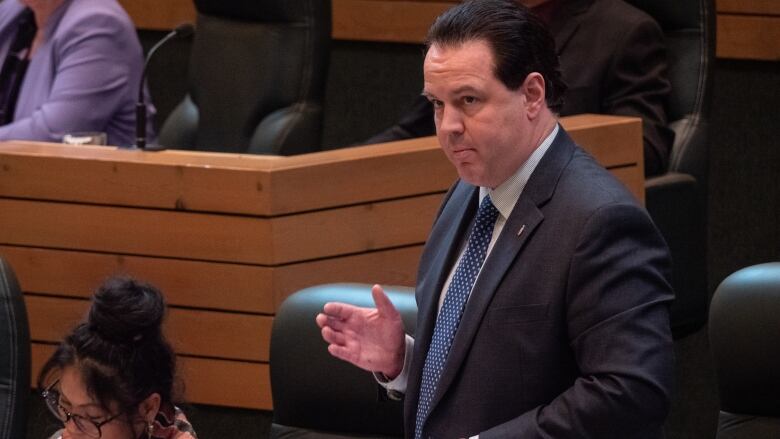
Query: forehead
{"points": [[72, 387], [467, 64]]}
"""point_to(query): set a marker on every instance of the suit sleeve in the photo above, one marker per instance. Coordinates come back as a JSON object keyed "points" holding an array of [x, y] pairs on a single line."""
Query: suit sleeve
{"points": [[636, 84], [618, 330], [90, 84]]}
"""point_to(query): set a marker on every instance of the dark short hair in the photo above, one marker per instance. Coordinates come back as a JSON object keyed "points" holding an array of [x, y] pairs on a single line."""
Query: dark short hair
{"points": [[520, 41], [119, 350]]}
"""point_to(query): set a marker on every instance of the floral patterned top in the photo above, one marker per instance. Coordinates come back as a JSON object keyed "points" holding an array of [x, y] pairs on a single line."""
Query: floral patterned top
{"points": [[173, 425]]}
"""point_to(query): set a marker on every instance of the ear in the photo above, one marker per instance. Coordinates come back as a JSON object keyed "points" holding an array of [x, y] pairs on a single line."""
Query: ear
{"points": [[533, 88], [149, 407]]}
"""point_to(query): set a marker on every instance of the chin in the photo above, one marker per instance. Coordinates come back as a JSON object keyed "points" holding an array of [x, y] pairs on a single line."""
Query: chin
{"points": [[471, 178]]}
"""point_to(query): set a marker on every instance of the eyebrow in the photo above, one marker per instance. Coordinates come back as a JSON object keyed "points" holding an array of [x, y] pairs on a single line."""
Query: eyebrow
{"points": [[464, 88], [460, 90]]}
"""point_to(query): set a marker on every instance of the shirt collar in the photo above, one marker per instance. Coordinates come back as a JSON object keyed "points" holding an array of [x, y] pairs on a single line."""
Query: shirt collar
{"points": [[505, 196]]}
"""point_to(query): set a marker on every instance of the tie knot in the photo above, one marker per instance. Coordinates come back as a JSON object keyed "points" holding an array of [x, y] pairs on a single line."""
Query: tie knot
{"points": [[487, 211]]}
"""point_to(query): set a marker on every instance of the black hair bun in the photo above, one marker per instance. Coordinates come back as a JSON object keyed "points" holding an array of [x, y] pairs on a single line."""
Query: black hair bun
{"points": [[127, 311]]}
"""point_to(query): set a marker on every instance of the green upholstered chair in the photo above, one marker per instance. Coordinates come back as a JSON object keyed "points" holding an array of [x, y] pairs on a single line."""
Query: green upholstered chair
{"points": [[744, 330], [14, 357], [677, 198], [316, 395], [256, 78]]}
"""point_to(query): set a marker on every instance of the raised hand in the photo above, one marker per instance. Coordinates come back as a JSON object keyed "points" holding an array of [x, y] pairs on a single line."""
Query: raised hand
{"points": [[369, 338]]}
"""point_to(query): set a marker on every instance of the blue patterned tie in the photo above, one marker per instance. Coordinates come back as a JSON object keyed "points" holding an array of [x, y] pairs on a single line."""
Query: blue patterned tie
{"points": [[452, 308]]}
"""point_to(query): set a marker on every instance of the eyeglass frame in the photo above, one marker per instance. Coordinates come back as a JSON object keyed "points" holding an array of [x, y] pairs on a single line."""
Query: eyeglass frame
{"points": [[46, 395]]}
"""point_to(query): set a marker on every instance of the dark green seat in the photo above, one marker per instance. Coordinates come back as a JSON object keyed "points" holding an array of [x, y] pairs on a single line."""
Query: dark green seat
{"points": [[677, 198], [256, 78], [744, 330], [316, 395], [14, 357]]}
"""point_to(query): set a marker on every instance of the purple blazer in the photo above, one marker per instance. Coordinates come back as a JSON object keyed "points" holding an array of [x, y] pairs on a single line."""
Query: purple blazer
{"points": [[84, 77]]}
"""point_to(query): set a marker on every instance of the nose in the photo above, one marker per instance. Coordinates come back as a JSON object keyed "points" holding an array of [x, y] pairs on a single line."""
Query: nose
{"points": [[70, 430], [450, 121], [66, 433]]}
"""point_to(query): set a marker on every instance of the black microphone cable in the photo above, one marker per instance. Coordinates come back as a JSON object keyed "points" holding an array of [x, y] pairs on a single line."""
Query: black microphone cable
{"points": [[181, 31]]}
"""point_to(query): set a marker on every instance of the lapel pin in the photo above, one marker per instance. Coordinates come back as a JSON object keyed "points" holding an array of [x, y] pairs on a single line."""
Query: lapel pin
{"points": [[520, 232]]}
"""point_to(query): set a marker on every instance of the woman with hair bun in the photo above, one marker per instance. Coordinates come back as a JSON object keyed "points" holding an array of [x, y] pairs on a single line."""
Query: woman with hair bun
{"points": [[112, 376]]}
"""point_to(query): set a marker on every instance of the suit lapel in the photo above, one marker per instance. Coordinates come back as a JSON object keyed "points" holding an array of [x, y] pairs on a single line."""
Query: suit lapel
{"points": [[518, 230], [449, 231], [506, 249]]}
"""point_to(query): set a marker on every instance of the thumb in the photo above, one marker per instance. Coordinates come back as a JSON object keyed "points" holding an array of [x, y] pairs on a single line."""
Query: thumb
{"points": [[383, 304]]}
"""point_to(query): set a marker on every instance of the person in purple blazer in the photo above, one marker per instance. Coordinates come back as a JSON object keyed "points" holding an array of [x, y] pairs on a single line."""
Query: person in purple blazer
{"points": [[68, 66]]}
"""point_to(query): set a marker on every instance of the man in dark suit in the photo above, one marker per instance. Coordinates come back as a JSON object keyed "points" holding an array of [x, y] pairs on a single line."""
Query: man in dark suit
{"points": [[543, 289], [613, 60]]}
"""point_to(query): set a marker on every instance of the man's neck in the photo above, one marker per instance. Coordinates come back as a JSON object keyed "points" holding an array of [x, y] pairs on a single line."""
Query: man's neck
{"points": [[547, 122]]}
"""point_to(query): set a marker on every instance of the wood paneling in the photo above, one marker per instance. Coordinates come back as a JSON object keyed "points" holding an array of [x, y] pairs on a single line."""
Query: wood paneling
{"points": [[227, 383], [208, 237], [231, 287], [358, 229], [224, 183], [117, 230], [203, 380], [160, 15], [217, 286], [232, 336], [757, 7], [390, 21], [353, 215], [610, 142], [749, 37], [389, 267], [407, 21]]}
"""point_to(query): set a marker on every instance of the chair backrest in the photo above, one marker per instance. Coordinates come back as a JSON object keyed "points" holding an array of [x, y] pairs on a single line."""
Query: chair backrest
{"points": [[744, 332], [677, 199], [256, 78], [14, 357], [316, 395], [689, 26]]}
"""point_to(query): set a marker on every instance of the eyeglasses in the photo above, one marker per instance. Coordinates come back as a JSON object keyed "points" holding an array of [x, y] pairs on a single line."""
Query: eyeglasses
{"points": [[85, 425]]}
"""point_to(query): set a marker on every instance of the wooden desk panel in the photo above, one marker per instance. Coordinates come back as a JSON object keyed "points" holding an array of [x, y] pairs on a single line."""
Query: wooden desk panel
{"points": [[219, 238], [227, 237], [747, 29], [749, 37], [230, 336]]}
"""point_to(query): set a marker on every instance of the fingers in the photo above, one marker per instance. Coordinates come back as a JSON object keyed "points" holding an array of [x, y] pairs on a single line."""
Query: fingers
{"points": [[338, 309], [333, 337], [342, 353], [331, 322], [383, 303], [337, 345]]}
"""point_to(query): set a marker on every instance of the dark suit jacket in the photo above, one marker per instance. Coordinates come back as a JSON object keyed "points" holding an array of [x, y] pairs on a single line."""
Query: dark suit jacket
{"points": [[613, 60], [566, 333]]}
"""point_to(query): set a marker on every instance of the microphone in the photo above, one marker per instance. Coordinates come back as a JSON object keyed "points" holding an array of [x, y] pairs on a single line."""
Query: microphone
{"points": [[182, 31]]}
